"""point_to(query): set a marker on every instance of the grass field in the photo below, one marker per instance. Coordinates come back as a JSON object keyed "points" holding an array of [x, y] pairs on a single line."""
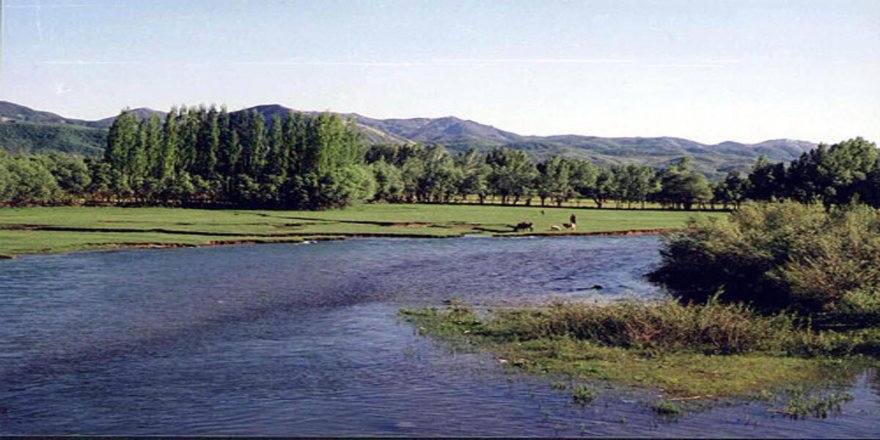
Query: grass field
{"points": [[65, 229]]}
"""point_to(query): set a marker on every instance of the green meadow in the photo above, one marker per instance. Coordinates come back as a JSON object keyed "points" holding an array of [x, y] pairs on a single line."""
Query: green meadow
{"points": [[65, 229]]}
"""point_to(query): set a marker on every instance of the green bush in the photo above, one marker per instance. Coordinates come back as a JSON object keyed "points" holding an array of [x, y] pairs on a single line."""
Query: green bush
{"points": [[779, 256]]}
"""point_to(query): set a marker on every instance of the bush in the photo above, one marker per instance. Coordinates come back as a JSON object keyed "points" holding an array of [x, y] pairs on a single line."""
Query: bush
{"points": [[779, 256]]}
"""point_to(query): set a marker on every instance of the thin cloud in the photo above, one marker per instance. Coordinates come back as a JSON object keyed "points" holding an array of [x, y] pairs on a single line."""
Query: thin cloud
{"points": [[439, 62], [86, 62], [59, 5], [489, 61], [535, 61], [430, 63], [335, 63]]}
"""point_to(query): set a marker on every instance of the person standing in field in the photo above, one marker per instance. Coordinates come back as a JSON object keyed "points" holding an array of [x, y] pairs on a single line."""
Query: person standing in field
{"points": [[573, 219]]}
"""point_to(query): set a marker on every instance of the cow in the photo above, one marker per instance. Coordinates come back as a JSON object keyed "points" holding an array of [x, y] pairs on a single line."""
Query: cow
{"points": [[522, 226], [570, 226]]}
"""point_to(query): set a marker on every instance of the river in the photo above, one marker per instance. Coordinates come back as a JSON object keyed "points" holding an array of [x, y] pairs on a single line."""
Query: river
{"points": [[303, 339]]}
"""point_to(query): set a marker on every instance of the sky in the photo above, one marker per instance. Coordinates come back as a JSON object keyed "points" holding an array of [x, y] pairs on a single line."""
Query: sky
{"points": [[707, 70]]}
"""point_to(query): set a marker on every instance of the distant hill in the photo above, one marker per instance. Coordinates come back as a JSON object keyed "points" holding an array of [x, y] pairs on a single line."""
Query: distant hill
{"points": [[140, 113], [23, 129], [26, 137], [13, 112]]}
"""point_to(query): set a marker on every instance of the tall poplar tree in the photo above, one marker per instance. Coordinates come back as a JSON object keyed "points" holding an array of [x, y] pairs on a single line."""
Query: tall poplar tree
{"points": [[167, 160], [121, 140]]}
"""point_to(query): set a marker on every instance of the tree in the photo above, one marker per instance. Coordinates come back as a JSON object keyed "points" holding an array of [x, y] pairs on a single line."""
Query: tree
{"points": [[604, 187], [583, 177], [121, 141], [153, 147], [474, 176], [733, 190], [70, 173], [277, 162], [640, 183], [189, 122], [682, 187], [207, 144], [440, 175], [167, 160], [553, 180], [844, 169], [28, 181], [512, 174], [389, 181], [767, 181]]}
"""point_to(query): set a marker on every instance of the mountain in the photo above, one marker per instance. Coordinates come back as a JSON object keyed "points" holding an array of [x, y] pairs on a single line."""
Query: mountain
{"points": [[10, 112], [448, 130], [28, 137], [23, 129], [140, 113]]}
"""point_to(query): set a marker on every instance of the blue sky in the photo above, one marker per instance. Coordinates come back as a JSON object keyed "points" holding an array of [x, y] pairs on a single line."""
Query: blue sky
{"points": [[708, 70]]}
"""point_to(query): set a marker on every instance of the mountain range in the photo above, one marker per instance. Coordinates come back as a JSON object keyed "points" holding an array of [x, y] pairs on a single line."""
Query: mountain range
{"points": [[23, 129]]}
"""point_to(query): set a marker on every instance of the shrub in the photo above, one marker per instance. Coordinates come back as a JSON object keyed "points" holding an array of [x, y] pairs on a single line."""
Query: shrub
{"points": [[779, 256]]}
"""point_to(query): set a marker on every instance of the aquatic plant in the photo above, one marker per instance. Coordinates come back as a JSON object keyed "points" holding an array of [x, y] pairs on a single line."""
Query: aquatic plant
{"points": [[667, 409], [582, 394], [802, 405]]}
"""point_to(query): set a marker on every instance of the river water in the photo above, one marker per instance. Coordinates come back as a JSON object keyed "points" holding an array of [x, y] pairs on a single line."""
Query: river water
{"points": [[303, 339]]}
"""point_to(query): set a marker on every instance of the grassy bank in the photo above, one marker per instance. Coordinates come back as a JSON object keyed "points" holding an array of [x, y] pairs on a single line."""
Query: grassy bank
{"points": [[690, 354], [64, 229]]}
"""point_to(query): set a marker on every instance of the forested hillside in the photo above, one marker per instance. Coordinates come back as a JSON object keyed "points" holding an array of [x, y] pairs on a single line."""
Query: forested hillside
{"points": [[209, 157], [49, 131], [26, 137]]}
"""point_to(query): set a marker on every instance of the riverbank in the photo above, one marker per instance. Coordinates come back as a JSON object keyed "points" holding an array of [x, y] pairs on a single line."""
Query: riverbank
{"points": [[692, 356], [67, 229]]}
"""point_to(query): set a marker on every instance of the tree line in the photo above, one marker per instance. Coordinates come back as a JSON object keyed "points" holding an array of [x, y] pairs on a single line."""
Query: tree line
{"points": [[207, 156], [843, 173]]}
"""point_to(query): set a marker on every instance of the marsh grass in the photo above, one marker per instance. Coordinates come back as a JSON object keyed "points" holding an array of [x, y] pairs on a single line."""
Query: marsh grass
{"points": [[660, 326], [692, 354]]}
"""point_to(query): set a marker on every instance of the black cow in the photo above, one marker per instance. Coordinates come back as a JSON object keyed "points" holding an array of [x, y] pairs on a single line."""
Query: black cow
{"points": [[522, 226]]}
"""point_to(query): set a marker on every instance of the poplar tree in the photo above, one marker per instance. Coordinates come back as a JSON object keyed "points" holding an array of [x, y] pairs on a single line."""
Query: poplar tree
{"points": [[167, 160], [207, 143], [121, 140]]}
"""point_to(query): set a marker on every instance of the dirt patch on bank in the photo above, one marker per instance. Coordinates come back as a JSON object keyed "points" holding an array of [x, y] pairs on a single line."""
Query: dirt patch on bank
{"points": [[412, 225]]}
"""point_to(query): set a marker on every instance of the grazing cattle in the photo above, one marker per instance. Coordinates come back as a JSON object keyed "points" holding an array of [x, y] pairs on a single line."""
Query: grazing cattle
{"points": [[522, 226], [570, 226]]}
